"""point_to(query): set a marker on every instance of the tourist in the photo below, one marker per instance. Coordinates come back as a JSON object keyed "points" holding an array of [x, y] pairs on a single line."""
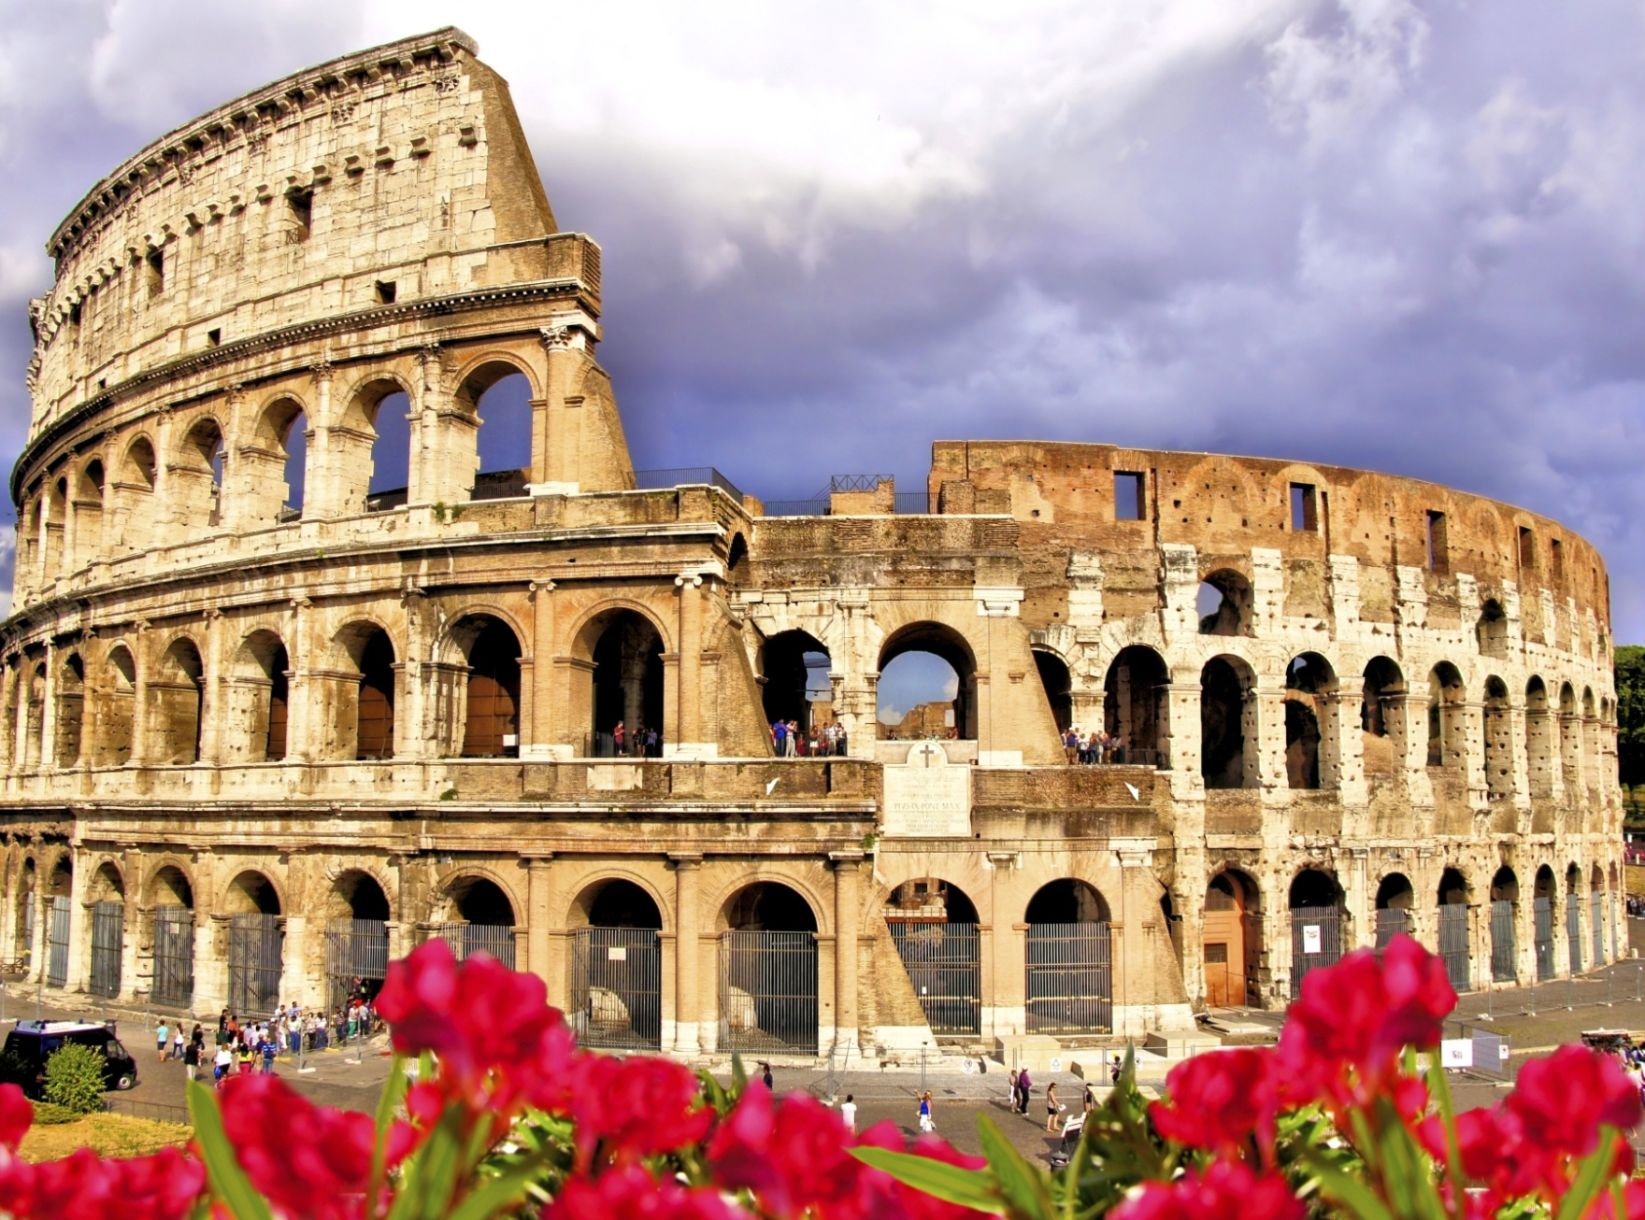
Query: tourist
{"points": [[1024, 1087], [191, 1059], [265, 1048], [779, 730], [1053, 1107], [1011, 1089], [1090, 1098], [765, 1074], [221, 1063], [848, 1113], [926, 1125], [247, 1058], [653, 744], [162, 1039], [636, 740], [177, 1042]]}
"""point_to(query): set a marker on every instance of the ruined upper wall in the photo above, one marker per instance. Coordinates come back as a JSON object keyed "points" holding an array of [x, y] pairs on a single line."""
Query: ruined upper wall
{"points": [[1065, 497], [380, 177]]}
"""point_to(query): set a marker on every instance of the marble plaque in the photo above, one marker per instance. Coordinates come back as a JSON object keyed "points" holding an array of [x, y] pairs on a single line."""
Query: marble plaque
{"points": [[927, 797]]}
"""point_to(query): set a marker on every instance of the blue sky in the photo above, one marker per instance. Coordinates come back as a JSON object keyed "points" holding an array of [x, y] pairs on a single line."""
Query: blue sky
{"points": [[1371, 232]]}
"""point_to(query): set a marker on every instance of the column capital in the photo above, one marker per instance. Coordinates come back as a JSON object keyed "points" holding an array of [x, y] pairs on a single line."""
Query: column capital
{"points": [[685, 859]]}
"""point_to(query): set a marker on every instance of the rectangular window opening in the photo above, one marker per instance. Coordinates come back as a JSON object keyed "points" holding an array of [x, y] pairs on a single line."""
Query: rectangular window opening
{"points": [[155, 273], [385, 292], [1129, 504], [1556, 551], [1527, 549], [1438, 551], [214, 337], [1304, 508], [302, 214]]}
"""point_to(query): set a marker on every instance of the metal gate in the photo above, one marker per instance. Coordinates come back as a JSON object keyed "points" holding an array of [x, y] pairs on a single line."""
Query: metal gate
{"points": [[356, 958], [1504, 966], [1596, 916], [108, 938], [57, 941], [617, 988], [173, 957], [1316, 940], [255, 943], [944, 964], [467, 939], [1391, 921], [1542, 910], [1573, 930], [1453, 944], [1069, 985], [768, 991]]}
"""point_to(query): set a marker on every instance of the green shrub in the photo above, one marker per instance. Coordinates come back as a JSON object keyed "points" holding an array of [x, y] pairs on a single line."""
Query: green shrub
{"points": [[74, 1078], [48, 1115]]}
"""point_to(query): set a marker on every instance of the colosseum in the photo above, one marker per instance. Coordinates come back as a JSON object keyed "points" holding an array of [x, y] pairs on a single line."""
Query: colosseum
{"points": [[285, 696]]}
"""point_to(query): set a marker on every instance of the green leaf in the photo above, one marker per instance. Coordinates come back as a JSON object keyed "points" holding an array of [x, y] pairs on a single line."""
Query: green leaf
{"points": [[228, 1181], [1590, 1178], [388, 1104], [971, 1188], [739, 1075], [1355, 1197], [1023, 1186], [497, 1197]]}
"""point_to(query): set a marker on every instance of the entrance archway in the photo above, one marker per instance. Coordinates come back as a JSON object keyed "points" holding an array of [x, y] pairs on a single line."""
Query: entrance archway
{"points": [[108, 930], [1231, 940], [1069, 962], [617, 968], [1229, 744], [1504, 914], [60, 921], [1316, 903], [1395, 897], [1573, 917], [172, 898], [356, 938], [1596, 913], [935, 928], [1542, 917], [1382, 720], [627, 652], [176, 696], [1310, 722], [1135, 707], [256, 945], [768, 971], [1059, 686], [927, 685], [1454, 941], [484, 920], [491, 717]]}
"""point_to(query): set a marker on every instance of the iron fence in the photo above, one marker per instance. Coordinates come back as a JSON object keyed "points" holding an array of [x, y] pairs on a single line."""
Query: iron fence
{"points": [[1390, 922], [356, 957], [1542, 913], [1573, 931], [467, 939], [944, 965], [617, 988], [173, 957], [108, 937], [682, 476], [1316, 940], [1504, 950], [768, 991], [1069, 979], [59, 916], [1453, 944], [255, 947]]}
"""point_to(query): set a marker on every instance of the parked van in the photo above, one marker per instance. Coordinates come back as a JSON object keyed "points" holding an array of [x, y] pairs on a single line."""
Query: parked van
{"points": [[30, 1043]]}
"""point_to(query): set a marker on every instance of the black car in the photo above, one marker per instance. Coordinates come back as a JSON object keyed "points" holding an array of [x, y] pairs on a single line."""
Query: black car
{"points": [[30, 1043]]}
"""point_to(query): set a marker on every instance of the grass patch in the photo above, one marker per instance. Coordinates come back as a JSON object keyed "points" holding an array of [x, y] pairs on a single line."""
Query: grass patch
{"points": [[105, 1134]]}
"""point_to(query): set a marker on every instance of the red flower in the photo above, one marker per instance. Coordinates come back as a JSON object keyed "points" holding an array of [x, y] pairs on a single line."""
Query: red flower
{"points": [[164, 1186], [630, 1193], [1219, 1100], [1556, 1110], [1633, 1203], [1343, 1037], [1482, 1142], [16, 1113], [1227, 1188], [791, 1156], [884, 1196], [637, 1107]]}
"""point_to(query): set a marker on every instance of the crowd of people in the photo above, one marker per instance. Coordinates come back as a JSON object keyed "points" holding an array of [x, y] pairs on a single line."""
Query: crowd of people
{"points": [[636, 742], [1093, 748], [789, 740], [1636, 906], [242, 1047]]}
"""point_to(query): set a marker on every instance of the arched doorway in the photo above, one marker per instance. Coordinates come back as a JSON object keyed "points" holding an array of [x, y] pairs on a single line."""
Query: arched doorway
{"points": [[356, 939], [627, 685], [1573, 916], [1447, 718], [115, 713], [484, 920], [1135, 708], [1504, 912], [617, 968], [108, 930], [1453, 929], [1069, 968], [364, 712], [1382, 720], [498, 395], [1058, 685], [1540, 731], [1228, 724], [768, 971], [491, 719], [176, 696], [71, 708], [795, 665], [1542, 917], [256, 945], [1596, 913], [1310, 721], [1395, 897], [172, 899], [1231, 940], [1498, 741], [60, 921], [261, 691], [1316, 903], [935, 928], [927, 685]]}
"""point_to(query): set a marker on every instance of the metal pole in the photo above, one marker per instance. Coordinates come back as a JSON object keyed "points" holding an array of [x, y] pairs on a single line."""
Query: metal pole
{"points": [[922, 1066]]}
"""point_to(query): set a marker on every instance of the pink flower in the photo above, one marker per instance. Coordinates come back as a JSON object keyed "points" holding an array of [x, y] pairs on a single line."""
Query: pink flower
{"points": [[16, 1115], [1219, 1100], [631, 1193], [637, 1107], [164, 1186], [1227, 1188]]}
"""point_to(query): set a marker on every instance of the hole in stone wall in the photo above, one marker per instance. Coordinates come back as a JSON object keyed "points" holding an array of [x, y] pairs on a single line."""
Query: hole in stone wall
{"points": [[1129, 490]]}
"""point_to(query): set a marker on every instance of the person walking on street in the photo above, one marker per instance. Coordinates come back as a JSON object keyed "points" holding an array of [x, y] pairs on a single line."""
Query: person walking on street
{"points": [[191, 1060], [765, 1075], [161, 1039], [926, 1125], [848, 1113], [1024, 1087], [1011, 1089], [1052, 1106]]}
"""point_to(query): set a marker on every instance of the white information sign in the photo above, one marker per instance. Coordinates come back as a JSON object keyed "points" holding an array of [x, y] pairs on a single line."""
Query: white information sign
{"points": [[1456, 1053], [927, 797], [1310, 938]]}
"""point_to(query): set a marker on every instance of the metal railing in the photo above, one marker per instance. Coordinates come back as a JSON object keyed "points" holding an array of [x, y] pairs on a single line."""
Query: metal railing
{"points": [[683, 476], [617, 988], [768, 991], [173, 956], [108, 934], [1069, 979]]}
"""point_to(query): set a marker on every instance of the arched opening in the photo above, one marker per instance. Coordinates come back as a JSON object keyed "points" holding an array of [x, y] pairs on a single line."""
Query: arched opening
{"points": [[1596, 913], [1224, 604], [176, 695], [1069, 979], [71, 710], [1454, 942], [1310, 722], [36, 748], [483, 920], [935, 927], [1491, 631], [134, 496], [499, 396], [491, 723], [1134, 706], [1231, 940], [195, 480], [626, 685], [1570, 742], [260, 695], [88, 515], [927, 685], [617, 968], [768, 971], [55, 525], [1058, 686], [1590, 762], [1447, 719], [735, 554], [1504, 914], [282, 443], [1499, 741], [1317, 916], [1229, 743], [1540, 730], [256, 944], [356, 939], [1382, 720], [1394, 901], [380, 464], [59, 921], [116, 710], [27, 909], [359, 704], [1573, 916], [1542, 912], [797, 689], [107, 893]]}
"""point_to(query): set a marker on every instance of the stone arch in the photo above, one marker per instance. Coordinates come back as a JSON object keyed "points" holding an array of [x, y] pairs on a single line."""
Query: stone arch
{"points": [[955, 716], [1058, 685], [486, 698], [1231, 938], [89, 492], [1573, 915], [358, 892], [355, 947], [1136, 707], [794, 664], [930, 900], [1504, 898], [259, 695], [194, 475], [169, 884], [623, 645], [107, 882], [616, 963], [28, 906], [372, 448], [1311, 746], [1225, 603], [503, 443], [617, 899], [71, 709], [934, 925], [103, 927], [1318, 918], [1067, 900], [1447, 717], [1394, 901], [255, 930], [768, 903], [1230, 747], [276, 461], [1541, 734], [1545, 896], [1491, 631], [251, 891], [475, 890], [115, 708], [735, 554], [768, 967], [1498, 740], [1068, 981], [1382, 719], [358, 698], [176, 695], [1590, 739], [35, 752], [1455, 940]]}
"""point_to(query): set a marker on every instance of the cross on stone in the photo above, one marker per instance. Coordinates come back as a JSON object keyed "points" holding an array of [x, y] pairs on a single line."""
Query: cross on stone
{"points": [[926, 751]]}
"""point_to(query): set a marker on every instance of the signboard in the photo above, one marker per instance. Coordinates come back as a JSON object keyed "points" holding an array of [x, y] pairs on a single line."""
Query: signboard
{"points": [[1456, 1053], [926, 796], [1310, 938], [617, 953]]}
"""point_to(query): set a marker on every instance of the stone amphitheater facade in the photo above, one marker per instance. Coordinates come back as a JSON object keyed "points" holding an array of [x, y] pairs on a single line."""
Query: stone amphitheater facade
{"points": [[253, 748]]}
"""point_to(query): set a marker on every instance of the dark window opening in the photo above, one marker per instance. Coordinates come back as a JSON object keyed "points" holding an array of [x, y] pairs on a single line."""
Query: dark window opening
{"points": [[1304, 508], [1556, 551], [302, 214], [213, 337], [1438, 549], [1129, 504], [385, 292], [155, 275], [1527, 549]]}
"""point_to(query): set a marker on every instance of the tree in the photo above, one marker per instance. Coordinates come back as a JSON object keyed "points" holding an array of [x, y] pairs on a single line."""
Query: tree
{"points": [[1630, 714]]}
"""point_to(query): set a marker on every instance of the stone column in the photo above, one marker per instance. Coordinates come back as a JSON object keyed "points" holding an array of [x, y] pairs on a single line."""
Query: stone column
{"points": [[215, 732], [48, 712], [79, 954], [1411, 711], [210, 960], [1271, 733], [1344, 707], [684, 736], [538, 729], [847, 868], [296, 977], [303, 686], [1010, 997], [411, 732], [538, 920], [689, 1012], [1184, 744]]}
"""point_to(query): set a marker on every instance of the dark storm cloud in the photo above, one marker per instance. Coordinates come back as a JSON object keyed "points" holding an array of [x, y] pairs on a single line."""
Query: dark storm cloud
{"points": [[1365, 232]]}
